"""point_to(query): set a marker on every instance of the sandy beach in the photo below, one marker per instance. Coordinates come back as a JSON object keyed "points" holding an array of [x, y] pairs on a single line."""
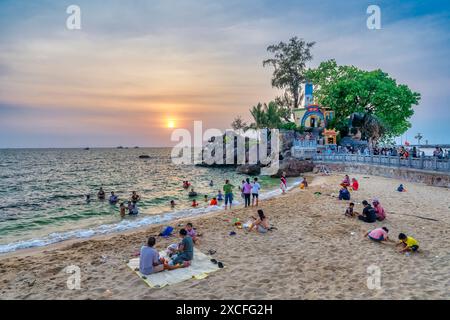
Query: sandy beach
{"points": [[315, 253]]}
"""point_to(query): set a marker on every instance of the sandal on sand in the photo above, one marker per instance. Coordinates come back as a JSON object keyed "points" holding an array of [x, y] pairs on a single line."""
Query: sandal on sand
{"points": [[211, 252], [214, 261], [220, 265], [232, 233]]}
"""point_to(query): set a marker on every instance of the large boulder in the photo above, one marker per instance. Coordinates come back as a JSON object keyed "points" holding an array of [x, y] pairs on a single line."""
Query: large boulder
{"points": [[293, 167], [249, 169]]}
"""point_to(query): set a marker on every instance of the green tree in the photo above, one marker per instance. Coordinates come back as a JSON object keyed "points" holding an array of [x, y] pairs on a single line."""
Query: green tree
{"points": [[268, 116], [239, 124], [289, 63], [347, 89]]}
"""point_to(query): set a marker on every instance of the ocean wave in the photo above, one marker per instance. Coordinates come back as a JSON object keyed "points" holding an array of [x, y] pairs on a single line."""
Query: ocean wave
{"points": [[124, 225]]}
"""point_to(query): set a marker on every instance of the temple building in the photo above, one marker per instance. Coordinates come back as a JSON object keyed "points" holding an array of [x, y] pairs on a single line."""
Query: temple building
{"points": [[312, 115]]}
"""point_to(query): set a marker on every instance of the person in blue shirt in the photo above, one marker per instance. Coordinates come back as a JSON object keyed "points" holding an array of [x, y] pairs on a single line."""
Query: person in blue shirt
{"points": [[344, 194], [219, 196], [113, 199]]}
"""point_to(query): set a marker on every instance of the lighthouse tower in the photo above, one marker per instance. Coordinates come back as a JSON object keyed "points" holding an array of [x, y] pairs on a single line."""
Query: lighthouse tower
{"points": [[309, 99]]}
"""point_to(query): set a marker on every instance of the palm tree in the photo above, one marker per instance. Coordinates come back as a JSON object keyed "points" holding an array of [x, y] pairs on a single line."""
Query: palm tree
{"points": [[418, 137]]}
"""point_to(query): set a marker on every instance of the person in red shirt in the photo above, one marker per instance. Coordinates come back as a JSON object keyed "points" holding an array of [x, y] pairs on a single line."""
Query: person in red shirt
{"points": [[355, 184], [213, 202]]}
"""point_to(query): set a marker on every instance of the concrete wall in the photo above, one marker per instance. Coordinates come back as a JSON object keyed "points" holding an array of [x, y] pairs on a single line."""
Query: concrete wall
{"points": [[437, 179]]}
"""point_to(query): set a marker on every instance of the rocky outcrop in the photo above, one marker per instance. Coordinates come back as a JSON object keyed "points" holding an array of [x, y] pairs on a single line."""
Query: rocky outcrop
{"points": [[294, 167], [285, 161], [249, 169]]}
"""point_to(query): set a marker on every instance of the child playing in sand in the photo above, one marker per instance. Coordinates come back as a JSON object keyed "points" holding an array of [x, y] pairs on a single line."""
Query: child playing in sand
{"points": [[150, 262], [194, 203], [304, 184], [213, 202], [261, 223], [346, 181], [407, 243], [349, 212], [192, 232], [344, 194], [219, 195], [378, 235], [401, 188], [122, 210], [379, 210]]}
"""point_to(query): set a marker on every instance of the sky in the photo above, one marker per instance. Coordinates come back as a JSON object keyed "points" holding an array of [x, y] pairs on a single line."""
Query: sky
{"points": [[136, 65]]}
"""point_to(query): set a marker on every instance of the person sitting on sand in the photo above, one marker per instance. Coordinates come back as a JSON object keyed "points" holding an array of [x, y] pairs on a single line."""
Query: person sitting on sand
{"points": [[101, 194], [261, 223], [192, 232], [368, 214], [185, 249], [219, 195], [344, 194], [355, 184], [378, 234], [194, 203], [149, 261], [401, 188], [172, 204], [349, 212], [379, 210], [213, 202], [228, 191], [122, 210], [407, 243], [346, 181], [113, 198], [135, 197]]}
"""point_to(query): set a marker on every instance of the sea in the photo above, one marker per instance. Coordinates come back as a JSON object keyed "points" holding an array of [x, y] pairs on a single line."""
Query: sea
{"points": [[43, 192]]}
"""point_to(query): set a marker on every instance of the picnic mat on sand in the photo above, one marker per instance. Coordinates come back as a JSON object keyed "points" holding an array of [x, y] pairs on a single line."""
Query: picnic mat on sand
{"points": [[199, 269]]}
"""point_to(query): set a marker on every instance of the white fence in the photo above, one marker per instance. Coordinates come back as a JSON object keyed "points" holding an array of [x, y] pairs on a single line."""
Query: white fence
{"points": [[423, 163]]}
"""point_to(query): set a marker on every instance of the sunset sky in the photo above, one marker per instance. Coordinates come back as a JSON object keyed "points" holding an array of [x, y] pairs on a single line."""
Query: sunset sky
{"points": [[137, 65]]}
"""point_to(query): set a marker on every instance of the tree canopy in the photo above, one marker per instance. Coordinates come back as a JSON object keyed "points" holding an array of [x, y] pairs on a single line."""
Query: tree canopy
{"points": [[347, 89], [289, 63]]}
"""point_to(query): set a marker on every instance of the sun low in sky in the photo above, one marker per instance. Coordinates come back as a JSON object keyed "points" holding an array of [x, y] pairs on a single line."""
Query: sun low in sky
{"points": [[171, 124]]}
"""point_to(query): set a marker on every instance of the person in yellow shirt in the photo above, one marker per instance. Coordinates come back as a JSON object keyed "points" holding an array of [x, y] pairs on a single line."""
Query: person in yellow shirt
{"points": [[407, 243]]}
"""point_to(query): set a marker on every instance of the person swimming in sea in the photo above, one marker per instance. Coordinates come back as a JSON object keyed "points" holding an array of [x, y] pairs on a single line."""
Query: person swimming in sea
{"points": [[172, 204], [135, 197], [122, 210], [192, 193], [101, 194], [113, 199], [211, 183]]}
